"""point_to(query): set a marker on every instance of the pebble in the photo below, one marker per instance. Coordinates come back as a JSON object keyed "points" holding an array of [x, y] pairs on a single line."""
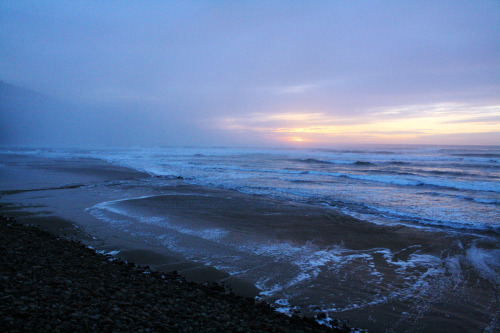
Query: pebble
{"points": [[74, 289]]}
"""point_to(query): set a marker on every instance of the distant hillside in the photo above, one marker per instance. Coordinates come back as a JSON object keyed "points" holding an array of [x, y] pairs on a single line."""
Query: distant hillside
{"points": [[30, 118], [14, 96]]}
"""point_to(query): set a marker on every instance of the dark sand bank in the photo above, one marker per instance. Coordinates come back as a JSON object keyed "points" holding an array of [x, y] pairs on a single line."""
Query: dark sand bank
{"points": [[50, 284]]}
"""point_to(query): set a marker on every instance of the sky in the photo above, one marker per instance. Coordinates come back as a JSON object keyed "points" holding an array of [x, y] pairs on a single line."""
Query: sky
{"points": [[253, 73]]}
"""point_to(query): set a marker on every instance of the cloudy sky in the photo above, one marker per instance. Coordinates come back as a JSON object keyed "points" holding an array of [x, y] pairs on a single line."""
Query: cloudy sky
{"points": [[314, 73]]}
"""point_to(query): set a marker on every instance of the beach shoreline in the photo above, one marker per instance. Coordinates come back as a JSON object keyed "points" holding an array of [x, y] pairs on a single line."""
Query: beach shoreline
{"points": [[302, 257], [164, 260]]}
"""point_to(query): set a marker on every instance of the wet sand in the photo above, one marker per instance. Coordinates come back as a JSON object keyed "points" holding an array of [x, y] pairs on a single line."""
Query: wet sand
{"points": [[47, 182], [380, 277], [414, 274]]}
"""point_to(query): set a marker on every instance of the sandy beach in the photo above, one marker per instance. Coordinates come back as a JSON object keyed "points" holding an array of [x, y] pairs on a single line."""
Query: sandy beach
{"points": [[291, 255], [75, 223]]}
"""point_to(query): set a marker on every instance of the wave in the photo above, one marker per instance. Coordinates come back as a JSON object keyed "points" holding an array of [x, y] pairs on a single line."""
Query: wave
{"points": [[311, 161], [401, 216], [476, 165], [486, 155], [358, 151], [394, 177], [398, 163], [486, 201], [417, 181], [301, 181], [435, 162], [451, 173], [316, 161], [172, 177], [401, 178], [375, 152], [382, 215]]}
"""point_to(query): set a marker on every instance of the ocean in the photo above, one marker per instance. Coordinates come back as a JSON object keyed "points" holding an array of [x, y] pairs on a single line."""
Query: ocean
{"points": [[449, 187], [439, 263]]}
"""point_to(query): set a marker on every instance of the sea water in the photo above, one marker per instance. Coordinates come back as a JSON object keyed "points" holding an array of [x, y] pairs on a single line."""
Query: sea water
{"points": [[449, 186], [452, 190]]}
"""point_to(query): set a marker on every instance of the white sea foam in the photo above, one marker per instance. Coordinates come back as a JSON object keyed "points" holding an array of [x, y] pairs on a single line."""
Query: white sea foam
{"points": [[161, 221], [110, 253], [417, 181], [486, 262]]}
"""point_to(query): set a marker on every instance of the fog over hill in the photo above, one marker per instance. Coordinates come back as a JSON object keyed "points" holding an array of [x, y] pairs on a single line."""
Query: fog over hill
{"points": [[30, 118], [24, 116]]}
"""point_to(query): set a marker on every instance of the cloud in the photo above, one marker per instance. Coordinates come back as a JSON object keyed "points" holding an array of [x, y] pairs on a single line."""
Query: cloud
{"points": [[438, 109], [317, 68], [483, 119], [410, 122], [303, 88]]}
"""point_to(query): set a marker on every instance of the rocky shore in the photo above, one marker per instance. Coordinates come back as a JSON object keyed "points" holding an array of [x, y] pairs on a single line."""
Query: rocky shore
{"points": [[51, 284]]}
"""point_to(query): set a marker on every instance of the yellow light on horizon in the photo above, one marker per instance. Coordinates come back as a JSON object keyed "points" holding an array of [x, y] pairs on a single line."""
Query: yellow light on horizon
{"points": [[410, 123], [294, 139]]}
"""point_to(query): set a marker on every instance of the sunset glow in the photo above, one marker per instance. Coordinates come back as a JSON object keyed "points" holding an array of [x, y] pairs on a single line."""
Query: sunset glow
{"points": [[403, 124], [296, 139], [251, 74]]}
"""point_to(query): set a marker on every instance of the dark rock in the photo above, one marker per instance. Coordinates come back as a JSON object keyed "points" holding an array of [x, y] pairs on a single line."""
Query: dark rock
{"points": [[321, 316], [73, 289]]}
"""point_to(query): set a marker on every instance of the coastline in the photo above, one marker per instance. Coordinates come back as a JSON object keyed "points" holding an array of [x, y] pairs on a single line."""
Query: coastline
{"points": [[169, 224], [123, 246]]}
